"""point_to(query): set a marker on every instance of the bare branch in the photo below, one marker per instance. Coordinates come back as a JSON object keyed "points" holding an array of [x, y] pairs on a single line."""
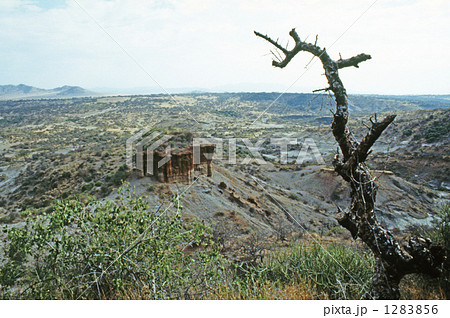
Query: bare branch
{"points": [[375, 132], [353, 61], [393, 260], [360, 154], [330, 66], [275, 43], [326, 89], [295, 36], [276, 57]]}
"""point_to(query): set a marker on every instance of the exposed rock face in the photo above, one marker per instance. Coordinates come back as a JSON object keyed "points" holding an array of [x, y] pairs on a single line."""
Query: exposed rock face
{"points": [[177, 169], [177, 165]]}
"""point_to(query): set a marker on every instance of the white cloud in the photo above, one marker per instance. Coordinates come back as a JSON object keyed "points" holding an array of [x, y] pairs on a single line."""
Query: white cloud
{"points": [[196, 43]]}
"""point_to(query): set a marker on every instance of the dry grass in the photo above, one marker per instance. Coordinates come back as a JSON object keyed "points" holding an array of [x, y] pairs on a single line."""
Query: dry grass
{"points": [[419, 287], [269, 291], [258, 291]]}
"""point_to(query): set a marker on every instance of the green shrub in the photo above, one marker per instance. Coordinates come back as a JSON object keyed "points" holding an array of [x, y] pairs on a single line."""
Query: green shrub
{"points": [[119, 176], [437, 131], [407, 132], [104, 249], [9, 218]]}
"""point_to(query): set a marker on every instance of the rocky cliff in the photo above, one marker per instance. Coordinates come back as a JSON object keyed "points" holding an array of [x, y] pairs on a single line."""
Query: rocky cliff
{"points": [[177, 165]]}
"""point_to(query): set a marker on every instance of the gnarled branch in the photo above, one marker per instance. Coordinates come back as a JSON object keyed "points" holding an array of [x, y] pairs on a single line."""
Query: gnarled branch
{"points": [[353, 61], [361, 152], [274, 43], [393, 261]]}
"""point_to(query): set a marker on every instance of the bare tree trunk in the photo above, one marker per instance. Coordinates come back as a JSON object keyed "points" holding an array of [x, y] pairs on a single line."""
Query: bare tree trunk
{"points": [[393, 260]]}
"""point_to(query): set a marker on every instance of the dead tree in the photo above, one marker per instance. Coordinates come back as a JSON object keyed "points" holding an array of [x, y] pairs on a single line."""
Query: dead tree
{"points": [[393, 259]]}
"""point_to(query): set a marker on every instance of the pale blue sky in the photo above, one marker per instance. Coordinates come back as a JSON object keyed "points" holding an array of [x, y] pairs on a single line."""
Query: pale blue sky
{"points": [[210, 43], [48, 4]]}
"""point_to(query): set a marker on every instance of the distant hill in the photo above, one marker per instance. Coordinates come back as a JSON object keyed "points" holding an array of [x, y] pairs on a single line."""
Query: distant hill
{"points": [[29, 92], [319, 104], [271, 102]]}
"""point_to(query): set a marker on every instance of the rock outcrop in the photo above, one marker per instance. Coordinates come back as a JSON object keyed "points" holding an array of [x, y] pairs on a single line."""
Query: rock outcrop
{"points": [[177, 165]]}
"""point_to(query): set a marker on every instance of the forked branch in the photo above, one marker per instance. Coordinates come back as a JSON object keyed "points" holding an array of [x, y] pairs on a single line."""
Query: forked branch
{"points": [[335, 84], [393, 261]]}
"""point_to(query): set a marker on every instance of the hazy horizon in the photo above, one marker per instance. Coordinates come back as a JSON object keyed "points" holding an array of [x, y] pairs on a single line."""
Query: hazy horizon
{"points": [[210, 45], [112, 91]]}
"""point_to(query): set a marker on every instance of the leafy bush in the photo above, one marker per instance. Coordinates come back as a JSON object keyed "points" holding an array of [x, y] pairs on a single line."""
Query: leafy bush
{"points": [[119, 176], [437, 130], [89, 249], [105, 249]]}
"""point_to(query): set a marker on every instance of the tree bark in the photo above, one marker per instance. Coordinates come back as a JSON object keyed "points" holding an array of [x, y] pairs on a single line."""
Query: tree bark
{"points": [[393, 260]]}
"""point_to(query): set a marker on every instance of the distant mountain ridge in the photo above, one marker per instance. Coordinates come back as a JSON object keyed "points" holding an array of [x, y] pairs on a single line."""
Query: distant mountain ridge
{"points": [[304, 103], [23, 91], [320, 104]]}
